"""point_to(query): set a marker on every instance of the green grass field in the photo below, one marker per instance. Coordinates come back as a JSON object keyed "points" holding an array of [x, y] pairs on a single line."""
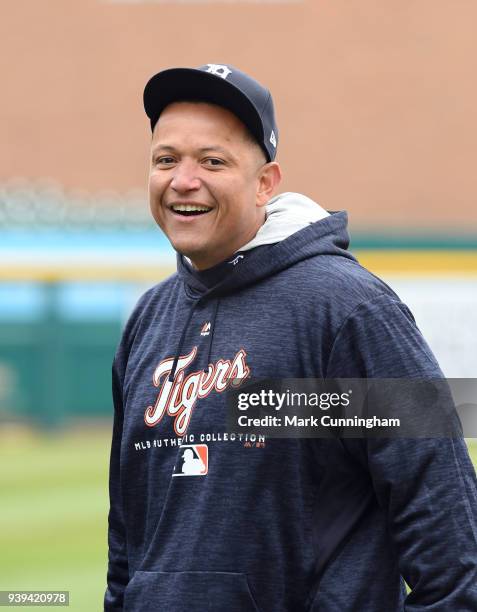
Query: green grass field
{"points": [[53, 513]]}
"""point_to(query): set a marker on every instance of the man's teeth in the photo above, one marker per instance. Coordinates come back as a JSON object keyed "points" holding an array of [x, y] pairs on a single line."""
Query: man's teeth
{"points": [[189, 208]]}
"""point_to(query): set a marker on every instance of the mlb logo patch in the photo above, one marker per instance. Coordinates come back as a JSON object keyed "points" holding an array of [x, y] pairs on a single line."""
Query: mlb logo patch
{"points": [[193, 460]]}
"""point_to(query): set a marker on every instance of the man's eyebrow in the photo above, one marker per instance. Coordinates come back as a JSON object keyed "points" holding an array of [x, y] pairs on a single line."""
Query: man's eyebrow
{"points": [[161, 147], [217, 148]]}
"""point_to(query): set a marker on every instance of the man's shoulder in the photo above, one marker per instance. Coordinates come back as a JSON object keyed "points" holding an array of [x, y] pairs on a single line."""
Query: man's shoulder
{"points": [[341, 280], [157, 292], [148, 303]]}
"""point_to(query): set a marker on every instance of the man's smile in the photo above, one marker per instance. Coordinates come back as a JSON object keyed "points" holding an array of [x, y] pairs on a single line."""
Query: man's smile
{"points": [[189, 209], [180, 208]]}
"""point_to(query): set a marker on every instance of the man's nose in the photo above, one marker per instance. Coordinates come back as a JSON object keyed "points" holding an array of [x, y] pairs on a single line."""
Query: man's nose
{"points": [[185, 177]]}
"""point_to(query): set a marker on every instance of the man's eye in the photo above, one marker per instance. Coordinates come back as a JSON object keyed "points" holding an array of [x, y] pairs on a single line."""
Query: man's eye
{"points": [[214, 161], [165, 160]]}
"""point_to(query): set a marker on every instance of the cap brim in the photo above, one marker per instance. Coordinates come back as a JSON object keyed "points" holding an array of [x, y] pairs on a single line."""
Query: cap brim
{"points": [[177, 84]]}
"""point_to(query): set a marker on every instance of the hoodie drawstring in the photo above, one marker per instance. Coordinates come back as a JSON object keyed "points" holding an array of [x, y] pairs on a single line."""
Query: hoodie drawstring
{"points": [[181, 341], [211, 335]]}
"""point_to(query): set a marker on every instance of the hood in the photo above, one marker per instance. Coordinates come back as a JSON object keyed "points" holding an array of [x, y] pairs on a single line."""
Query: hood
{"points": [[295, 229], [285, 215]]}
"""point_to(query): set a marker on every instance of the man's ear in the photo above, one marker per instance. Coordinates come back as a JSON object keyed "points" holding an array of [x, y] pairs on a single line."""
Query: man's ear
{"points": [[269, 178]]}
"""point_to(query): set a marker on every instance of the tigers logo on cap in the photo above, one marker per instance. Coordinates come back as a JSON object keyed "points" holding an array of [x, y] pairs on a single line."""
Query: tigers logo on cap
{"points": [[219, 70]]}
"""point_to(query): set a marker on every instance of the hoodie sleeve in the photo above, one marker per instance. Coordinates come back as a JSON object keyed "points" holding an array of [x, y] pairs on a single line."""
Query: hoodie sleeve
{"points": [[427, 487], [118, 568], [118, 573]]}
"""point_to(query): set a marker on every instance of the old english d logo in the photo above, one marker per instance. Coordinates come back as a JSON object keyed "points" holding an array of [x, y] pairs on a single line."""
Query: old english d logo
{"points": [[219, 70], [193, 460]]}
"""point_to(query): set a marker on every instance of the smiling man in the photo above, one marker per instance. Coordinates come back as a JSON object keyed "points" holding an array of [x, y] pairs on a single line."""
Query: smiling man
{"points": [[202, 519], [209, 182]]}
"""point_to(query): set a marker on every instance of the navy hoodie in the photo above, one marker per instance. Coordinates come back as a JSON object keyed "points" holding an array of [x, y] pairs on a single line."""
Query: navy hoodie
{"points": [[202, 520]]}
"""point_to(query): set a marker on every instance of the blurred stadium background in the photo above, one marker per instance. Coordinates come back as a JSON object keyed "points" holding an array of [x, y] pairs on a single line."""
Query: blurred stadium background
{"points": [[376, 107]]}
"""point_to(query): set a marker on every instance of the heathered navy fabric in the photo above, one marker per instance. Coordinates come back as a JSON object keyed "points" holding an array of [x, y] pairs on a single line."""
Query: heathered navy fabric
{"points": [[288, 525]]}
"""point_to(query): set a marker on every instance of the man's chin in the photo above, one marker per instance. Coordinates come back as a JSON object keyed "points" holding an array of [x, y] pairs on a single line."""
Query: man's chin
{"points": [[200, 260], [188, 252], [184, 249]]}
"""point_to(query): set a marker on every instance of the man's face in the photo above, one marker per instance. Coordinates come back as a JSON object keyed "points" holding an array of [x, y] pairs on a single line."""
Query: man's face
{"points": [[208, 183]]}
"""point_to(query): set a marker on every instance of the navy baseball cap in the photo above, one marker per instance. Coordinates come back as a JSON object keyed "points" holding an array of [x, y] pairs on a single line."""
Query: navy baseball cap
{"points": [[219, 84]]}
